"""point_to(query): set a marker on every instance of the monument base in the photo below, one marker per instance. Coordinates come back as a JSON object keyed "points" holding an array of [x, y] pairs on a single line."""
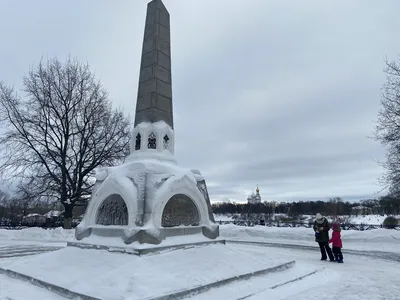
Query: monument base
{"points": [[141, 236], [145, 248], [99, 274], [148, 199]]}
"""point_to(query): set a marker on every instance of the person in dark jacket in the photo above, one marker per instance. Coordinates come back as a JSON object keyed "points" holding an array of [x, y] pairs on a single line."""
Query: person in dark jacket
{"points": [[321, 228]]}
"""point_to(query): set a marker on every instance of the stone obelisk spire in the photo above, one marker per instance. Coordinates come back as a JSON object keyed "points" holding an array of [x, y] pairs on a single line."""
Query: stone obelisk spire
{"points": [[154, 101]]}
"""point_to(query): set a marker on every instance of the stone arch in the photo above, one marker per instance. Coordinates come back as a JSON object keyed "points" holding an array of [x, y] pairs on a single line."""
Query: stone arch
{"points": [[180, 210], [112, 211]]}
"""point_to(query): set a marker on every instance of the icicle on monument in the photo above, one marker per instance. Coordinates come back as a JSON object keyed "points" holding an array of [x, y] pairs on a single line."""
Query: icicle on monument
{"points": [[149, 197]]}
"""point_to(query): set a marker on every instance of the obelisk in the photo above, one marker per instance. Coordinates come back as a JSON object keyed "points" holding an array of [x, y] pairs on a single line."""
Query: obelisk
{"points": [[154, 100], [149, 197]]}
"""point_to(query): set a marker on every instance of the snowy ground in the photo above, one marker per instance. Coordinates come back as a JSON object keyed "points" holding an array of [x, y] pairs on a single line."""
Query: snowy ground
{"points": [[360, 277], [376, 239]]}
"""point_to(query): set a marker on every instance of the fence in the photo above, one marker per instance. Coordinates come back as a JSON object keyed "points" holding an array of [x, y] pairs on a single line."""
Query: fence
{"points": [[345, 226], [48, 224], [51, 224]]}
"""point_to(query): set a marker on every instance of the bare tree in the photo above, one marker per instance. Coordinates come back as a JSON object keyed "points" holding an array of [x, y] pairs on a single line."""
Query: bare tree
{"points": [[387, 130], [60, 132]]}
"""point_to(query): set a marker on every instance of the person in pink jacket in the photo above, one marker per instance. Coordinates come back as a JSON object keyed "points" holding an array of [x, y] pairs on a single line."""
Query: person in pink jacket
{"points": [[336, 241]]}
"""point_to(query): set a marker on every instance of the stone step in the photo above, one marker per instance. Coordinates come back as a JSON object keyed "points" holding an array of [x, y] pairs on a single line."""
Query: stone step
{"points": [[175, 274]]}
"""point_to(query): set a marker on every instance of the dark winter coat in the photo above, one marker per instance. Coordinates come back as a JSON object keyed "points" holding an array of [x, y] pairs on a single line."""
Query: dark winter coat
{"points": [[323, 235]]}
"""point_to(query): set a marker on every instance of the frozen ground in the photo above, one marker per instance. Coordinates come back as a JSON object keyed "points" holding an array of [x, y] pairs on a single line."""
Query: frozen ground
{"points": [[376, 239], [358, 278], [12, 289], [122, 276], [37, 234], [368, 219], [363, 275]]}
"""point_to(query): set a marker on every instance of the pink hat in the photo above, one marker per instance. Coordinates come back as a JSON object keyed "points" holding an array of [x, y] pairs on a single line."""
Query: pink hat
{"points": [[335, 226]]}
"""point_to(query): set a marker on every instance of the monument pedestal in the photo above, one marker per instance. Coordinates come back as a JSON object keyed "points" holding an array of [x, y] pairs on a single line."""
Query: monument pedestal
{"points": [[178, 274], [149, 197]]}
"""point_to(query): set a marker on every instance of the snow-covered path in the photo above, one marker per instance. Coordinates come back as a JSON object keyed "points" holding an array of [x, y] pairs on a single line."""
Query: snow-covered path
{"points": [[360, 277], [384, 255], [14, 289], [375, 240]]}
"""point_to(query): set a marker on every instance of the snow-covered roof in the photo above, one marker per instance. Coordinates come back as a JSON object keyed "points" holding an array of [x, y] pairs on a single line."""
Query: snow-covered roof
{"points": [[34, 215], [52, 213], [360, 207]]}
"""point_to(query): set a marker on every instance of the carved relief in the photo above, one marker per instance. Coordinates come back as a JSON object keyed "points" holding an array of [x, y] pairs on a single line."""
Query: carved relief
{"points": [[180, 210], [177, 184], [159, 182], [138, 141], [139, 180], [201, 185], [203, 189], [112, 211], [152, 141]]}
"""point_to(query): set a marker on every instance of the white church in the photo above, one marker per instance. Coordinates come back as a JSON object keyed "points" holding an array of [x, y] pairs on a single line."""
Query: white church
{"points": [[254, 198]]}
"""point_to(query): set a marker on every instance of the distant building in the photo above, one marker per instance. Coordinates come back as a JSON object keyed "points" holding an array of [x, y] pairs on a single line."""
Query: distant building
{"points": [[53, 214], [254, 198], [33, 219], [361, 210]]}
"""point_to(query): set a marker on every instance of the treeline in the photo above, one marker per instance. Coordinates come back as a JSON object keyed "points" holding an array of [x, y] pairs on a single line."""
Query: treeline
{"points": [[335, 206], [14, 209]]}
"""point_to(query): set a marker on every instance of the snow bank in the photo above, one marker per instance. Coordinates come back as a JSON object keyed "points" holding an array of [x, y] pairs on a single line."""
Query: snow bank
{"points": [[368, 219], [223, 218], [231, 231], [360, 219], [377, 239], [38, 234]]}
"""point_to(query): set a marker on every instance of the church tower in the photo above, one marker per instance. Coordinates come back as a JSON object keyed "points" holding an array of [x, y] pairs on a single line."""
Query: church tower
{"points": [[258, 197]]}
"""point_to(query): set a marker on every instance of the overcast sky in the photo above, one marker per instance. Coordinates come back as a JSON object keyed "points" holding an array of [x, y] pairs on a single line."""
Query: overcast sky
{"points": [[283, 94]]}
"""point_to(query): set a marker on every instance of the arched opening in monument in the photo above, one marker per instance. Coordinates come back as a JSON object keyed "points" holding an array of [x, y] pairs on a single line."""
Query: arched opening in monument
{"points": [[138, 141], [166, 142], [152, 141], [112, 211], [180, 210]]}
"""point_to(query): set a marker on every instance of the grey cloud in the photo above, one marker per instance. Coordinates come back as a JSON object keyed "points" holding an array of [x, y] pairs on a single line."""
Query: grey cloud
{"points": [[277, 93]]}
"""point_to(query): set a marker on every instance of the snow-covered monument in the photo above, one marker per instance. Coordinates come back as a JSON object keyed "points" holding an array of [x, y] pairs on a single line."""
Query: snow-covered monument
{"points": [[151, 218], [150, 197]]}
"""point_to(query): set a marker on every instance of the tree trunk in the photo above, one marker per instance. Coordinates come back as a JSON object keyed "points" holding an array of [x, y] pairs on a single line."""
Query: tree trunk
{"points": [[68, 216]]}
